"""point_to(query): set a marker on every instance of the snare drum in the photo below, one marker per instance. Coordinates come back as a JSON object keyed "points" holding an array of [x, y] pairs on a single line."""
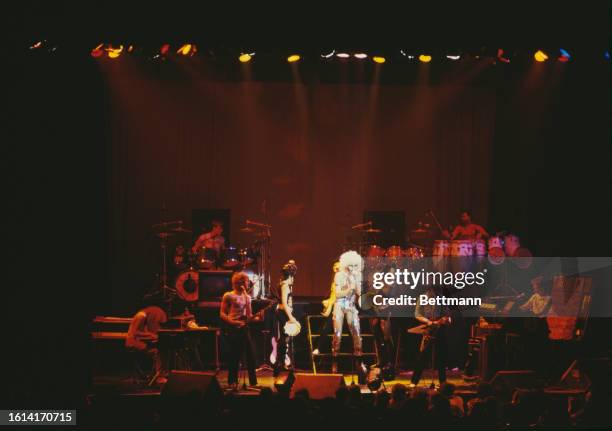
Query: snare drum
{"points": [[395, 251]]}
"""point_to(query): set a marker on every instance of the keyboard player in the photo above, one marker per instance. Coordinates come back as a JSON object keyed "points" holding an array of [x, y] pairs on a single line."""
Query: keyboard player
{"points": [[142, 335]]}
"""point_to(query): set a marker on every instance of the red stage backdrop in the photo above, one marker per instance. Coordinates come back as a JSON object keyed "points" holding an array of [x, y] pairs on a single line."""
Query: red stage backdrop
{"points": [[306, 159]]}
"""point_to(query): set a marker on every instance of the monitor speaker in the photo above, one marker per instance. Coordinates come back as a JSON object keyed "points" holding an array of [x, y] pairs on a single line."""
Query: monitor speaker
{"points": [[193, 385], [318, 385]]}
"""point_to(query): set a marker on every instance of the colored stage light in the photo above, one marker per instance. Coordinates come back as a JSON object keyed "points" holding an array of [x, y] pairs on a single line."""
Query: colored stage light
{"points": [[113, 52], [607, 55], [360, 55], [165, 49], [564, 56], [342, 55], [293, 58], [378, 59], [97, 52], [187, 50], [540, 56], [246, 57], [425, 58], [37, 45]]}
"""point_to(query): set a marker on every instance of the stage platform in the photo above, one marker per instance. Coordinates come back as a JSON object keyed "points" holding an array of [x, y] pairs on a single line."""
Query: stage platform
{"points": [[125, 387]]}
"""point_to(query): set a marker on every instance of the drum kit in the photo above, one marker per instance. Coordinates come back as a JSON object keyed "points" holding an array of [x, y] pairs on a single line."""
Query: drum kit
{"points": [[186, 263], [446, 254], [369, 246]]}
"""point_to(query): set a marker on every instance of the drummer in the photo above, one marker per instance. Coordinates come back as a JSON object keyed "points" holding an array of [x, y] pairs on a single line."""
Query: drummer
{"points": [[466, 230], [213, 239]]}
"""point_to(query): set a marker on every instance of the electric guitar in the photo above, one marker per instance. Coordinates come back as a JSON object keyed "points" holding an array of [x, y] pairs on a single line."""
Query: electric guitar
{"points": [[430, 330], [256, 317]]}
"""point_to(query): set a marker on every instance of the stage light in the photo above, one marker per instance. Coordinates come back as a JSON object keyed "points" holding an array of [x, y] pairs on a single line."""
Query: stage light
{"points": [[130, 48], [360, 55], [453, 57], [500, 56], [113, 52], [37, 45], [378, 59], [165, 49], [329, 54], [97, 52], [187, 50], [246, 57], [540, 56], [293, 58], [342, 55], [425, 58], [409, 56], [607, 55], [564, 56]]}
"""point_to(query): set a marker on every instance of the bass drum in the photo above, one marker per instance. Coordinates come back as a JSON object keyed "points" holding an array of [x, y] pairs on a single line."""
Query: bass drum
{"points": [[187, 285]]}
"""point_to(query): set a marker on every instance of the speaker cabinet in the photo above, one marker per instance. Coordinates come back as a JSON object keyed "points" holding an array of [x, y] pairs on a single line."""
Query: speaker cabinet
{"points": [[318, 385], [192, 385]]}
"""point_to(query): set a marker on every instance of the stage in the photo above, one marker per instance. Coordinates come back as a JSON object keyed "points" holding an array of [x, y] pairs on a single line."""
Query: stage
{"points": [[124, 386]]}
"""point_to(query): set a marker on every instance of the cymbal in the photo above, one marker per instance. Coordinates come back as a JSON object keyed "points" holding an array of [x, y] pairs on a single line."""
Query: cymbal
{"points": [[181, 229], [247, 229]]}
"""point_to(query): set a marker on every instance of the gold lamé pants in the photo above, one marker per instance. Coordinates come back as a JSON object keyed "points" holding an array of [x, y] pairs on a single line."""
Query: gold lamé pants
{"points": [[345, 309]]}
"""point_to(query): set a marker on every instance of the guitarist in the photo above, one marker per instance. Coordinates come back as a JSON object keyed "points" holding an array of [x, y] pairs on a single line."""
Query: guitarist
{"points": [[236, 313], [436, 318]]}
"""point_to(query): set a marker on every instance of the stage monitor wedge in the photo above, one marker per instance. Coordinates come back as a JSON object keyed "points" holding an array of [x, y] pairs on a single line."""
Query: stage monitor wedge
{"points": [[318, 385]]}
